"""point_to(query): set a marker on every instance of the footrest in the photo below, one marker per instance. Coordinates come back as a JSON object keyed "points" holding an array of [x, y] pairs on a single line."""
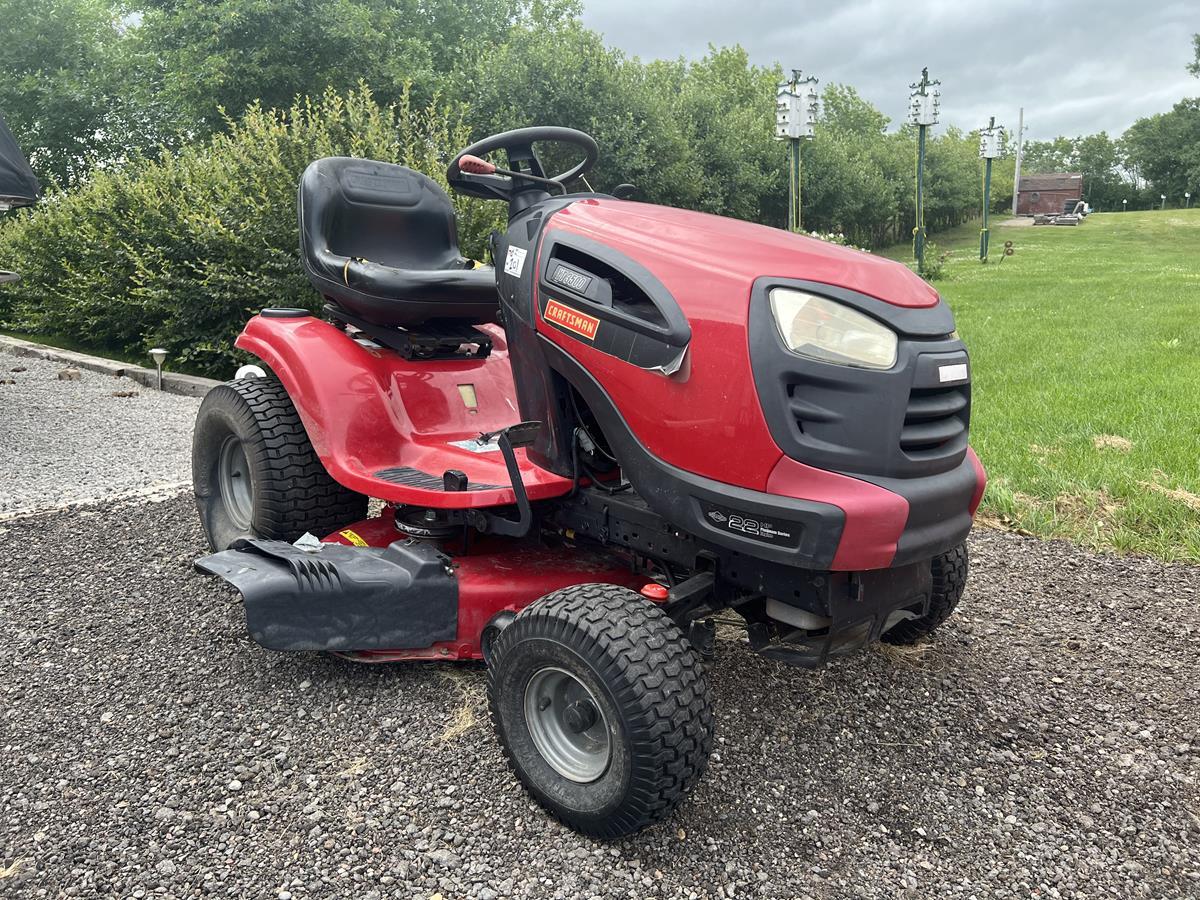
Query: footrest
{"points": [[404, 596]]}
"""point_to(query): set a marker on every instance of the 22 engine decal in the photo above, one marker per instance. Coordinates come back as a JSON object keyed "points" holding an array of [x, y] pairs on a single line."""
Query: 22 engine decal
{"points": [[781, 534], [571, 319]]}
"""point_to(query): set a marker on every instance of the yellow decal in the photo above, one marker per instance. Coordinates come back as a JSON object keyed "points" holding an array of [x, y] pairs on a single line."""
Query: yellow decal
{"points": [[353, 538]]}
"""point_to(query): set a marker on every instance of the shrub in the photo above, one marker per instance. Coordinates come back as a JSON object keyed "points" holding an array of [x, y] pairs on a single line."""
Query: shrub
{"points": [[934, 268], [179, 252]]}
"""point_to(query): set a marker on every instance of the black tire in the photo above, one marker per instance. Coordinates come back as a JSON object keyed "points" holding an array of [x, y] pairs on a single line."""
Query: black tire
{"points": [[648, 684], [289, 490], [949, 579]]}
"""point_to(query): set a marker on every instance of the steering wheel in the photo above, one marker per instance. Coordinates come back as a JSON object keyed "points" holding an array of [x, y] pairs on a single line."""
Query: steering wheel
{"points": [[522, 161]]}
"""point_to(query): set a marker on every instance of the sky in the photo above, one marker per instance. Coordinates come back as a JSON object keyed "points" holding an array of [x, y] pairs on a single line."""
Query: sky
{"points": [[1076, 66]]}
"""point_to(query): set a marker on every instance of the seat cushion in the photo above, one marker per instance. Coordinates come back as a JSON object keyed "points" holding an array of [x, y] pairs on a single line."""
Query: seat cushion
{"points": [[380, 241]]}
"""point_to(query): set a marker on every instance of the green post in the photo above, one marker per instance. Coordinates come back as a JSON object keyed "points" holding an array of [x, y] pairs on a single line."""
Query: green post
{"points": [[919, 229], [794, 215], [987, 197]]}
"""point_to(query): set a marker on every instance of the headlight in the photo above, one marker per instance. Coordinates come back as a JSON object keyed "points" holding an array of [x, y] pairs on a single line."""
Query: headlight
{"points": [[826, 330]]}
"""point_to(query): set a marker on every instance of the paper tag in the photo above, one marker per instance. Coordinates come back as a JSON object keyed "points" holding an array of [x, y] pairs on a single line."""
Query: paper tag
{"points": [[514, 261], [477, 446], [952, 373]]}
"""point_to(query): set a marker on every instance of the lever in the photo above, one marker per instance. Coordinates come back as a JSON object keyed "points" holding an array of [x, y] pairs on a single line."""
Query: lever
{"points": [[507, 439]]}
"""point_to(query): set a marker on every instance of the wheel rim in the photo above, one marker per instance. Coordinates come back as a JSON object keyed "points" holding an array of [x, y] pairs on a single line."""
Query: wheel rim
{"points": [[233, 477], [567, 725]]}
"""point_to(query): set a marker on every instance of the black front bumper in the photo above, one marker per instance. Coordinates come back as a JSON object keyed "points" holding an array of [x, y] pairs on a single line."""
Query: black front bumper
{"points": [[860, 607]]}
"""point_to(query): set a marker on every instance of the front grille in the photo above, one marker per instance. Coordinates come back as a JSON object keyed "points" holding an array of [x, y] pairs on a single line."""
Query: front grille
{"points": [[901, 422], [934, 418]]}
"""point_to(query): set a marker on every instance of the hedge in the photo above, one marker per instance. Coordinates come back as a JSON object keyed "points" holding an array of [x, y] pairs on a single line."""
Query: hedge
{"points": [[180, 251]]}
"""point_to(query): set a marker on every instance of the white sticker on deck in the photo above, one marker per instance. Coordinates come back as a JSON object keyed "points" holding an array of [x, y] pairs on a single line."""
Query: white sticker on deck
{"points": [[952, 373], [514, 262], [477, 446]]}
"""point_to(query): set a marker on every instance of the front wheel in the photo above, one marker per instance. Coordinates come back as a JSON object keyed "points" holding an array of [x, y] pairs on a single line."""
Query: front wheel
{"points": [[255, 472], [949, 580], [601, 707]]}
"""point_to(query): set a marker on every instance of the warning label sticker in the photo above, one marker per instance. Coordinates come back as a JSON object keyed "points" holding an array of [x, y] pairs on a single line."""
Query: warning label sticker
{"points": [[571, 319], [514, 261], [353, 537]]}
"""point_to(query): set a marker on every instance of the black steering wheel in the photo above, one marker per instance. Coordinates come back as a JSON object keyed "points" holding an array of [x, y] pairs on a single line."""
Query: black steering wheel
{"points": [[525, 170]]}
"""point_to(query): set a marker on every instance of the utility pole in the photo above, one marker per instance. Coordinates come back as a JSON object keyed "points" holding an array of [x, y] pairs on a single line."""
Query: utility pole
{"points": [[795, 119], [1020, 146], [924, 112], [991, 145]]}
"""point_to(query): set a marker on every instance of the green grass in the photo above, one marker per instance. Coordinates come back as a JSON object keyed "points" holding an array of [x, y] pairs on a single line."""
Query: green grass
{"points": [[1085, 339]]}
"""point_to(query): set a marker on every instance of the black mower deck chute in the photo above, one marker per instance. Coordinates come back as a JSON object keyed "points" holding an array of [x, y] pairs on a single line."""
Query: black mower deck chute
{"points": [[18, 185]]}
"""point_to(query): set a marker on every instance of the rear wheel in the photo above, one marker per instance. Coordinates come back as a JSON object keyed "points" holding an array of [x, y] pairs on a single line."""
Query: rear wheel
{"points": [[601, 707], [255, 472], [949, 580]]}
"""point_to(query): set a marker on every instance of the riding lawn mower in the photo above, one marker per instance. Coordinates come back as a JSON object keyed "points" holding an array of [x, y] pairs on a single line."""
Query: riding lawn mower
{"points": [[640, 419]]}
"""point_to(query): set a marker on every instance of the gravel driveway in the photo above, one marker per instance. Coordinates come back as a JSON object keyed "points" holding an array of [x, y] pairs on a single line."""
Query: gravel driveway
{"points": [[69, 441], [1046, 745]]}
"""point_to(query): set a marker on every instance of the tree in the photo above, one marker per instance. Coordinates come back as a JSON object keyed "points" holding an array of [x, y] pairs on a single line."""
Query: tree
{"points": [[199, 57], [1164, 149], [724, 109], [60, 90], [1194, 66], [551, 70]]}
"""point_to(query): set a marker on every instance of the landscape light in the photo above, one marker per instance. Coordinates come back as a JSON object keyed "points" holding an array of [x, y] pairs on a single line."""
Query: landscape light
{"points": [[159, 355]]}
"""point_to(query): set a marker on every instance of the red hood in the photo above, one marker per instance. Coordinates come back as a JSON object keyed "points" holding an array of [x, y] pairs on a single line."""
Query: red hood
{"points": [[742, 251]]}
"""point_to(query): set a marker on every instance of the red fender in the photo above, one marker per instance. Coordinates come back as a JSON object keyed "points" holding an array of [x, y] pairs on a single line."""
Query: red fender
{"points": [[369, 412]]}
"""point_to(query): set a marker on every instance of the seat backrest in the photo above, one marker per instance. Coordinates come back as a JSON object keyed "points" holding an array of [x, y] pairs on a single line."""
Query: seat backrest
{"points": [[377, 211]]}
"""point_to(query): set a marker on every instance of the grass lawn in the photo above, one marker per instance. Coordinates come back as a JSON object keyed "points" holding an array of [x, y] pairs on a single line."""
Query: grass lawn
{"points": [[1085, 353]]}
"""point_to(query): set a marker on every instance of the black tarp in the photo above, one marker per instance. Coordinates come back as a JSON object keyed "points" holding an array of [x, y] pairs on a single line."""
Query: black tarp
{"points": [[18, 184]]}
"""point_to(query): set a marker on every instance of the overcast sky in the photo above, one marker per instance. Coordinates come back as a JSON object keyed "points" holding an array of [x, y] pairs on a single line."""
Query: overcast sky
{"points": [[1077, 66]]}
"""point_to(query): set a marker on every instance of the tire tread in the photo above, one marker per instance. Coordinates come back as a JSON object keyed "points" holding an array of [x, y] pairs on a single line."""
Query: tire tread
{"points": [[660, 677], [949, 580]]}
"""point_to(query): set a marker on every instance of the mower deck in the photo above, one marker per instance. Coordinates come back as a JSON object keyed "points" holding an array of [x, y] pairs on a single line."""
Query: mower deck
{"points": [[370, 591]]}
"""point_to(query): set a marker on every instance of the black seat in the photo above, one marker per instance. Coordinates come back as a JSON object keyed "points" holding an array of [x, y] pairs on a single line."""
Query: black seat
{"points": [[379, 240]]}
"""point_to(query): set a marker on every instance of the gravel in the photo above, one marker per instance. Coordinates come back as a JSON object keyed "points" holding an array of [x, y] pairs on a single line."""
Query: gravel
{"points": [[1046, 744], [72, 441]]}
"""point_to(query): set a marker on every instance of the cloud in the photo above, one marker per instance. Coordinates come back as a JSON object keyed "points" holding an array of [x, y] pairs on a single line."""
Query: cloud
{"points": [[1077, 66]]}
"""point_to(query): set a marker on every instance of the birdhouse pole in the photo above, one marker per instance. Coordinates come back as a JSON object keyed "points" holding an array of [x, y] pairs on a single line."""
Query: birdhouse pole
{"points": [[924, 114], [991, 145], [796, 107]]}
